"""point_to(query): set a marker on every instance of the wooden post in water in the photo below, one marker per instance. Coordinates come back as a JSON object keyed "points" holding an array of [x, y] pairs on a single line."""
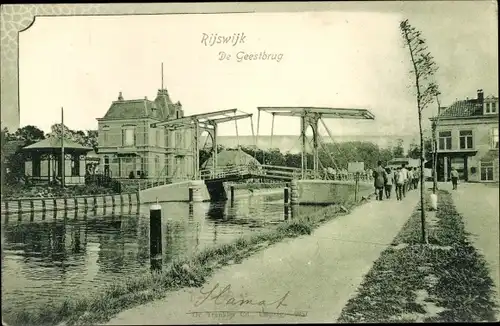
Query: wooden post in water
{"points": [[44, 208], [113, 201], [76, 203], [32, 210], [85, 204], [19, 210], [190, 195], [95, 203], [65, 204], [191, 210], [155, 244]]}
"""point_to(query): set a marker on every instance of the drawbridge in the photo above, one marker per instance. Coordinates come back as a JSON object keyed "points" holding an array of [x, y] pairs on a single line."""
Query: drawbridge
{"points": [[311, 166]]}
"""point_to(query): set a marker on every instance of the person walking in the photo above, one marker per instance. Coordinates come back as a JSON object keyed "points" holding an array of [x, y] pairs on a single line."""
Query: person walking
{"points": [[380, 179], [416, 178], [399, 181], [410, 179], [454, 178], [389, 182], [404, 172]]}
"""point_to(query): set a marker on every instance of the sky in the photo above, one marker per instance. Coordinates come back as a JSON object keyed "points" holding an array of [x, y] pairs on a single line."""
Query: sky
{"points": [[349, 58]]}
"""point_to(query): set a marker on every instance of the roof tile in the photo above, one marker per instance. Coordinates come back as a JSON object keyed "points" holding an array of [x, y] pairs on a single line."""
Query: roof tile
{"points": [[463, 108]]}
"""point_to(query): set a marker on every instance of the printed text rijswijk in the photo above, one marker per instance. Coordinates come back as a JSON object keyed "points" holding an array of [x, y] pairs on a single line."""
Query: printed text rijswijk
{"points": [[211, 39]]}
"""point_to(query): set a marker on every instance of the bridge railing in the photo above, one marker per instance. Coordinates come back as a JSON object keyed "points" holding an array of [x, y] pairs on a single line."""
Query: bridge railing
{"points": [[279, 172], [223, 172]]}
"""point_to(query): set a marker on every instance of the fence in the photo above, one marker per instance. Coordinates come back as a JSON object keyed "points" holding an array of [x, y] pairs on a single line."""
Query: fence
{"points": [[21, 206]]}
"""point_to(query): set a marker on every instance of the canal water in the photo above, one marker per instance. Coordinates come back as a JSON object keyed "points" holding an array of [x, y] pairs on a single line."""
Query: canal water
{"points": [[45, 262]]}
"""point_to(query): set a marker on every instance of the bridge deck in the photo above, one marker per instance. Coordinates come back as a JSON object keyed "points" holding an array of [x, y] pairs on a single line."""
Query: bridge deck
{"points": [[284, 173]]}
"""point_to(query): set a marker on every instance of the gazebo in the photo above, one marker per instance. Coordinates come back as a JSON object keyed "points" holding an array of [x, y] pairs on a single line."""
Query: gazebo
{"points": [[43, 160]]}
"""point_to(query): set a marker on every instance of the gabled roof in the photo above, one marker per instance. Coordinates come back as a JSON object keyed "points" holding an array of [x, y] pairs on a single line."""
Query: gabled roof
{"points": [[463, 108], [55, 143]]}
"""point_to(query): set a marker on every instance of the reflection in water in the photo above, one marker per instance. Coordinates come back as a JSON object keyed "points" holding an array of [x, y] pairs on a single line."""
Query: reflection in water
{"points": [[53, 259]]}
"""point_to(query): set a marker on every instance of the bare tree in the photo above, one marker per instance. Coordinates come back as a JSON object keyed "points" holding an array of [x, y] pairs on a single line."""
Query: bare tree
{"points": [[435, 123], [423, 72]]}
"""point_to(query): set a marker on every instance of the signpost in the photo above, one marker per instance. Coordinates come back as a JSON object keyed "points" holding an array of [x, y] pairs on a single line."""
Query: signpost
{"points": [[356, 168]]}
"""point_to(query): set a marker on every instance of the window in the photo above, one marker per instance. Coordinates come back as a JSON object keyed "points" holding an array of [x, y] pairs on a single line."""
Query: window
{"points": [[490, 108], [167, 138], [105, 132], [158, 137], [466, 139], [178, 140], [487, 171], [494, 138], [75, 166], [128, 136], [445, 140]]}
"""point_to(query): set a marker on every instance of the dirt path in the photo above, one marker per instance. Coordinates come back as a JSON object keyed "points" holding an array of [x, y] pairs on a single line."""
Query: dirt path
{"points": [[478, 204]]}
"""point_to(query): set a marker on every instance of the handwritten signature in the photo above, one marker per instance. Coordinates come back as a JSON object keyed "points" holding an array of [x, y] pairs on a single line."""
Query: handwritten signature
{"points": [[223, 296]]}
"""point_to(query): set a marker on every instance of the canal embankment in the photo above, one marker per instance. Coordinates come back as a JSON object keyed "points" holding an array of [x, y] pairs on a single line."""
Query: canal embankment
{"points": [[34, 209], [181, 273]]}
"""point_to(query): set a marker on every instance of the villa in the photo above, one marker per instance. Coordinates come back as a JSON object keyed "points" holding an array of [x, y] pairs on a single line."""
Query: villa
{"points": [[130, 146]]}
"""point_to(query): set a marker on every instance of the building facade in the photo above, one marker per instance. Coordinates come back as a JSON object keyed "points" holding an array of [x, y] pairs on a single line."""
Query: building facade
{"points": [[129, 146], [468, 139]]}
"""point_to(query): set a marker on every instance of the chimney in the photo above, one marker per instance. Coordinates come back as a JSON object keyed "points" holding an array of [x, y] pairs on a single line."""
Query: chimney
{"points": [[145, 98], [120, 97], [480, 96]]}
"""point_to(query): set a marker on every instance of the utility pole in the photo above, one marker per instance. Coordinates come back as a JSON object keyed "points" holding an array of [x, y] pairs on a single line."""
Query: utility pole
{"points": [[63, 161]]}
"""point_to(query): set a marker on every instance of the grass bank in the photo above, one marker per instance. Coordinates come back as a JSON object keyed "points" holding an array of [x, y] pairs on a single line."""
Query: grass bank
{"points": [[443, 281], [47, 191], [181, 273]]}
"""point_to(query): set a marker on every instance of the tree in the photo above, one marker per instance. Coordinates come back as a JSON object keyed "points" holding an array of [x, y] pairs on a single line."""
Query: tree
{"points": [[414, 151], [398, 150], [426, 89], [29, 134], [91, 139]]}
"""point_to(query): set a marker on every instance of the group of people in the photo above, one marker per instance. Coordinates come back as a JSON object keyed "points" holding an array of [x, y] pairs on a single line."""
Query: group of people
{"points": [[403, 178]]}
